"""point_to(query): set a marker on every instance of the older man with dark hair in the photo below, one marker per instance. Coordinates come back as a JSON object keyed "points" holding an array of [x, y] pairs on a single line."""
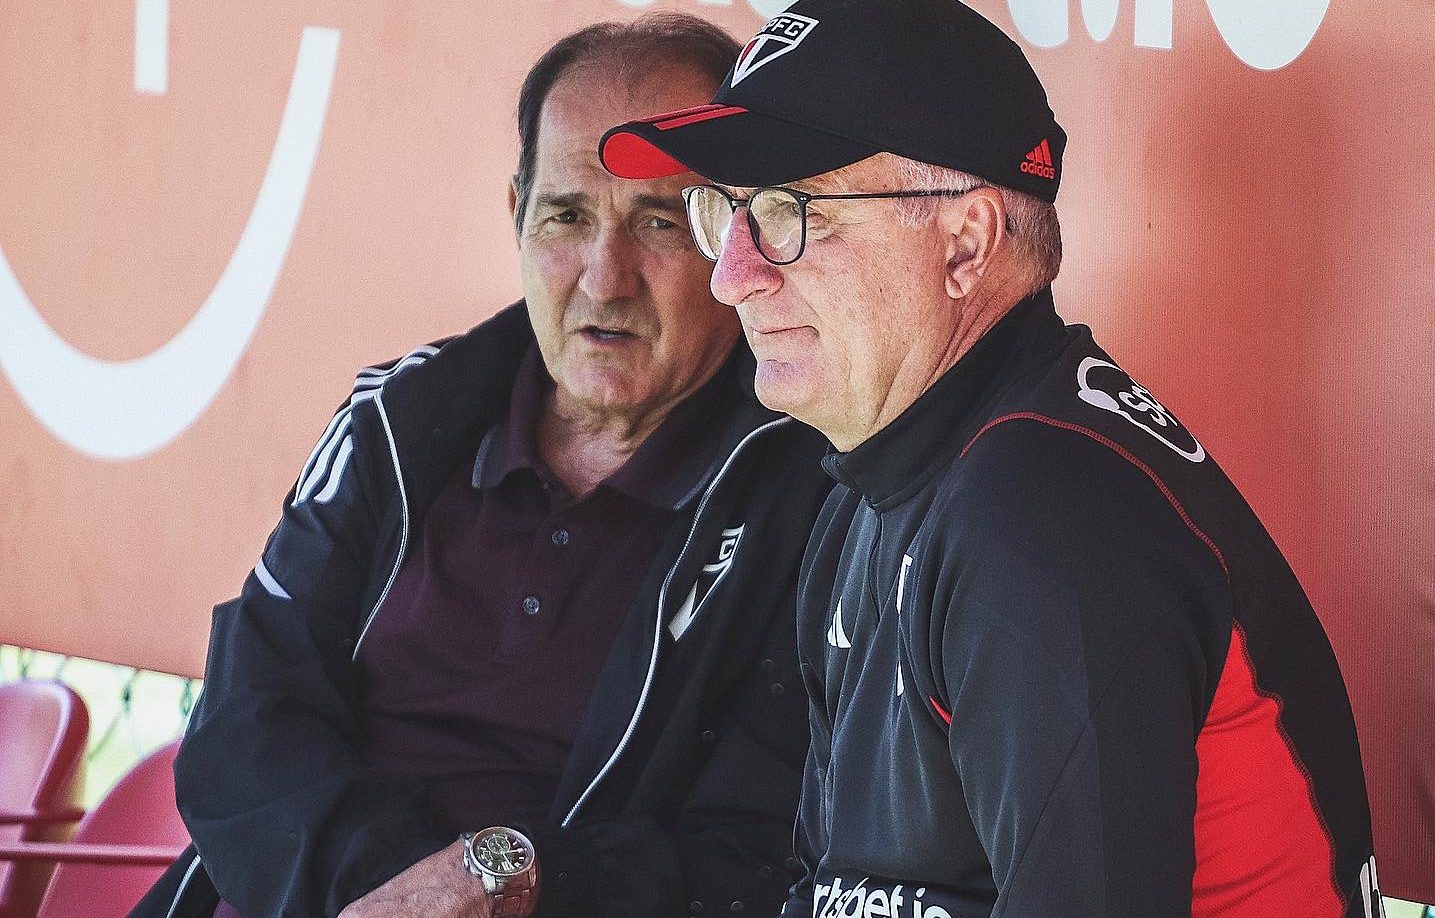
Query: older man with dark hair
{"points": [[1057, 667], [523, 641]]}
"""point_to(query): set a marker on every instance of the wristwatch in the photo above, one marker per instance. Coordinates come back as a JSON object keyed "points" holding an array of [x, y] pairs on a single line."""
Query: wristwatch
{"points": [[505, 860]]}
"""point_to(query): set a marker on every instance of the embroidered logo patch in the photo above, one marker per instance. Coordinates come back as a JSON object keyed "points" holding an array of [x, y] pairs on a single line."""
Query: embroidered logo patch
{"points": [[706, 581], [1106, 386], [781, 34], [1038, 161]]}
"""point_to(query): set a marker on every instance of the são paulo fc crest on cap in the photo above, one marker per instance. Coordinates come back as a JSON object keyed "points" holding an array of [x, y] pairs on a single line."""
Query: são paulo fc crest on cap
{"points": [[781, 34]]}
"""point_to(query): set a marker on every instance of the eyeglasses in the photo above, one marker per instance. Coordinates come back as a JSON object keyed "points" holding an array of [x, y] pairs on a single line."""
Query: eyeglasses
{"points": [[776, 217]]}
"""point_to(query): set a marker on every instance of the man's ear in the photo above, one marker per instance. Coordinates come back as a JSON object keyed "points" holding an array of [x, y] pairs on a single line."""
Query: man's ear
{"points": [[513, 200], [976, 230]]}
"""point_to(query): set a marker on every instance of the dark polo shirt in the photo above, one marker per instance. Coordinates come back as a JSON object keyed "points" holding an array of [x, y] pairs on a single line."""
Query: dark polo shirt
{"points": [[482, 660]]}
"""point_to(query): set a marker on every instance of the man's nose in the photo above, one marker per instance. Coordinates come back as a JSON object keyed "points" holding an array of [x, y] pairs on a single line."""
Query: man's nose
{"points": [[610, 270], [741, 273]]}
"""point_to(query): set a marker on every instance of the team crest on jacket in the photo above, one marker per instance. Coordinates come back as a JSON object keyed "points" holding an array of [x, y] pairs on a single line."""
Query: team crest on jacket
{"points": [[706, 580], [781, 34], [1106, 386]]}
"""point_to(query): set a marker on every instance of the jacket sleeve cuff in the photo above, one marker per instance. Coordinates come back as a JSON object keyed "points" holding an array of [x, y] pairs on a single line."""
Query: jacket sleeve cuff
{"points": [[606, 869], [374, 861]]}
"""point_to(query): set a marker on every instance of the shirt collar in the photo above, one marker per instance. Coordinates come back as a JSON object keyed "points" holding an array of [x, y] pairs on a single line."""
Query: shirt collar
{"points": [[669, 468], [512, 444], [666, 471], [896, 461]]}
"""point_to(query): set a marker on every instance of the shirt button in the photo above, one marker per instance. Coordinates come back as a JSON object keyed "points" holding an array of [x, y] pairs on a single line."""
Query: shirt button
{"points": [[695, 906], [560, 537], [531, 605], [708, 736], [764, 871], [735, 907]]}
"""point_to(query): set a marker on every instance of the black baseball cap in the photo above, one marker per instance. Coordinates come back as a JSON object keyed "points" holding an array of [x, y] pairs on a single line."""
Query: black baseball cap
{"points": [[831, 82]]}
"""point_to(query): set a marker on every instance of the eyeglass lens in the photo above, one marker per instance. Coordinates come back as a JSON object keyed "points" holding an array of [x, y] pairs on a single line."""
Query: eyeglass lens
{"points": [[710, 216], [777, 218], [774, 217]]}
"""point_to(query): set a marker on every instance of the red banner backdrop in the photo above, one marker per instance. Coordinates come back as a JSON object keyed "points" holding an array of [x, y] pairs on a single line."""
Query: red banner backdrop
{"points": [[212, 214]]}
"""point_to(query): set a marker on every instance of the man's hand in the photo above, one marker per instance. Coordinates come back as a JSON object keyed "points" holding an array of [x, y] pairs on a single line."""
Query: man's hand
{"points": [[436, 887]]}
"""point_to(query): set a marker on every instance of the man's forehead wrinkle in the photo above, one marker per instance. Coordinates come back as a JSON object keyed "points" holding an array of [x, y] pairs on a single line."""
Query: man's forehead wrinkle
{"points": [[562, 198], [633, 72], [567, 139], [567, 166], [659, 201], [574, 153]]}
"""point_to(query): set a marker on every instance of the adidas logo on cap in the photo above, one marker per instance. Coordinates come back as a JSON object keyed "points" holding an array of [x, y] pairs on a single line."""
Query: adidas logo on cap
{"points": [[1038, 161]]}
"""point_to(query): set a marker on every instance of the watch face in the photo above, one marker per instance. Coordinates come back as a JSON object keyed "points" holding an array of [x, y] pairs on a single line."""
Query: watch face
{"points": [[503, 853]]}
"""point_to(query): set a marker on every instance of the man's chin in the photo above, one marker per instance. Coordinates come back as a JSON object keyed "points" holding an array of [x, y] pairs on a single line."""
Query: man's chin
{"points": [[782, 386], [603, 390]]}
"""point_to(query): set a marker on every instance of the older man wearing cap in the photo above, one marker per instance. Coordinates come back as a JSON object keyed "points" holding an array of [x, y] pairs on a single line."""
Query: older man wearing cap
{"points": [[1056, 665]]}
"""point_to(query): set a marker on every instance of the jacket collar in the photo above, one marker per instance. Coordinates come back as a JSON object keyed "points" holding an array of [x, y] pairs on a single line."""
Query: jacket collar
{"points": [[900, 458]]}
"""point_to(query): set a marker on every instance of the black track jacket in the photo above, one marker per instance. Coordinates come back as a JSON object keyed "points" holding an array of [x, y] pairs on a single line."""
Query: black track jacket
{"points": [[682, 783], [1058, 668]]}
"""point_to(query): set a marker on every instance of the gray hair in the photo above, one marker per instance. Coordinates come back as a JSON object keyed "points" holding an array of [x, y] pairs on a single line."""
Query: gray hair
{"points": [[1031, 222]]}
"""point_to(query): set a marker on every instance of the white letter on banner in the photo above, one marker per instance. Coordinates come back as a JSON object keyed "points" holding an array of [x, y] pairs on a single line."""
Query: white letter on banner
{"points": [[1044, 23], [1100, 16], [1153, 24], [1047, 24], [152, 46], [1268, 35], [769, 8]]}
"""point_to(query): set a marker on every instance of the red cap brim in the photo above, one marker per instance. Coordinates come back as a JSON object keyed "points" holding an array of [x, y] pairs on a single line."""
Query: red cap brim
{"points": [[725, 143], [626, 152]]}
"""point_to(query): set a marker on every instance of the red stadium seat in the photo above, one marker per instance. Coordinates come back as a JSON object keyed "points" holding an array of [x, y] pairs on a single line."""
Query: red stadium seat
{"points": [[43, 730], [119, 849]]}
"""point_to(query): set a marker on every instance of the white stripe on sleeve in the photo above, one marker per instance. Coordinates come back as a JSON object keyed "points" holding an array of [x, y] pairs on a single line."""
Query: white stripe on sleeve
{"points": [[267, 580], [323, 465], [336, 473]]}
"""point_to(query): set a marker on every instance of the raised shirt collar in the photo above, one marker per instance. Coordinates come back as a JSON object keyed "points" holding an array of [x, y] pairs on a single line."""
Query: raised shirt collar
{"points": [[897, 460]]}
